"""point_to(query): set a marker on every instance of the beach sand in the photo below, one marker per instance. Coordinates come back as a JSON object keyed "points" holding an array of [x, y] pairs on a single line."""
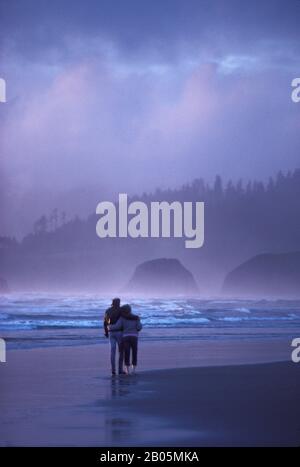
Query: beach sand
{"points": [[192, 393]]}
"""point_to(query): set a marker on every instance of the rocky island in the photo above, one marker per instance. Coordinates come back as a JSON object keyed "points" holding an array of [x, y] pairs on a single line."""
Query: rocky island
{"points": [[163, 276]]}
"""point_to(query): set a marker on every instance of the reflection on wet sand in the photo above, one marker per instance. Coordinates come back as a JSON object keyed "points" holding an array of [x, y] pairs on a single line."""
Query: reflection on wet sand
{"points": [[123, 385], [120, 426], [133, 416]]}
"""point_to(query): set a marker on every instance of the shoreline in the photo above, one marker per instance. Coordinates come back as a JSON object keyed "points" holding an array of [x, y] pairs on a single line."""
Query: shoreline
{"points": [[241, 405], [198, 350], [65, 396], [45, 339]]}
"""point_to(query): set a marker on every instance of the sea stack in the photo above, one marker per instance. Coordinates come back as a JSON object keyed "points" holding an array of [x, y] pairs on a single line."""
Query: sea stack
{"points": [[266, 275], [161, 277]]}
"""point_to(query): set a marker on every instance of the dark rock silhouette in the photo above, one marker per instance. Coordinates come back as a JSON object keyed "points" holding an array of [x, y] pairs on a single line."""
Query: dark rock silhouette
{"points": [[275, 275], [162, 277], [241, 220], [3, 286]]}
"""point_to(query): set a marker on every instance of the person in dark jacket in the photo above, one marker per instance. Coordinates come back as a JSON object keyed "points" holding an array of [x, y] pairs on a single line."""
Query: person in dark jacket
{"points": [[130, 325], [112, 315]]}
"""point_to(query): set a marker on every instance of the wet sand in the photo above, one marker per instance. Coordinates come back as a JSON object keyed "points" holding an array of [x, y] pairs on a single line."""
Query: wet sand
{"points": [[187, 393]]}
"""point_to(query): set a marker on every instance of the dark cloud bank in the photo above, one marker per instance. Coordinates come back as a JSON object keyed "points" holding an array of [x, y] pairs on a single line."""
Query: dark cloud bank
{"points": [[127, 96]]}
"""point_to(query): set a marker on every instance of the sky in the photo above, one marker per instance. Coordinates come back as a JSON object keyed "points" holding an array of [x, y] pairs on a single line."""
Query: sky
{"points": [[116, 96]]}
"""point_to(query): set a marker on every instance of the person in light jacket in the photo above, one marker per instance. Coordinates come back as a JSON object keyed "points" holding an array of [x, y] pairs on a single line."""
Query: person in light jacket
{"points": [[130, 325]]}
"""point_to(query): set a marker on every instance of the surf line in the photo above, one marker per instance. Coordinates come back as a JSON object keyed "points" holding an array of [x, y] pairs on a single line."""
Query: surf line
{"points": [[160, 219]]}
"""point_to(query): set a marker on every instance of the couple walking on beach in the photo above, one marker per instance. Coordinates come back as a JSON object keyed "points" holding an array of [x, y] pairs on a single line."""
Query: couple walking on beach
{"points": [[122, 328]]}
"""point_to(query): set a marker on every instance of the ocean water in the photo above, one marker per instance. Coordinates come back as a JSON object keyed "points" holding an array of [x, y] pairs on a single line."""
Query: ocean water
{"points": [[34, 319]]}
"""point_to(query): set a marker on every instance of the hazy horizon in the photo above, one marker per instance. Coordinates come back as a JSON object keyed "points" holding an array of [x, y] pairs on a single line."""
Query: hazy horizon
{"points": [[88, 200]]}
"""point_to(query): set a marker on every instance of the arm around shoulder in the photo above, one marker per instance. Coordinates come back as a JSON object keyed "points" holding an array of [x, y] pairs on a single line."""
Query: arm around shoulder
{"points": [[116, 327]]}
